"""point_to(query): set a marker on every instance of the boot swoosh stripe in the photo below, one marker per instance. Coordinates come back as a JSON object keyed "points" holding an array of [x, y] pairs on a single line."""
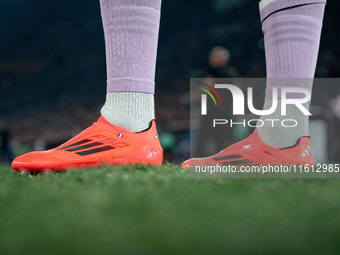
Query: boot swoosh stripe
{"points": [[75, 144], [100, 149], [236, 162], [228, 157], [86, 146]]}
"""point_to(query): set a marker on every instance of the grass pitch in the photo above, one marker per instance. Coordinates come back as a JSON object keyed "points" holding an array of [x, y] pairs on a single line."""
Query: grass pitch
{"points": [[162, 210]]}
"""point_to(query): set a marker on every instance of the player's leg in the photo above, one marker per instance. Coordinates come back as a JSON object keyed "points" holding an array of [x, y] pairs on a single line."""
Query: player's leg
{"points": [[126, 132], [131, 36], [292, 38], [292, 31]]}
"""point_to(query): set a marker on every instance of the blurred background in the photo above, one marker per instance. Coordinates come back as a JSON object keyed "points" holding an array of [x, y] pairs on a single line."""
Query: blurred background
{"points": [[53, 71]]}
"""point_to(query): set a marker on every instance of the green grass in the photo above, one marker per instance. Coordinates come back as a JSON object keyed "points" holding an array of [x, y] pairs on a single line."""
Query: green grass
{"points": [[161, 210]]}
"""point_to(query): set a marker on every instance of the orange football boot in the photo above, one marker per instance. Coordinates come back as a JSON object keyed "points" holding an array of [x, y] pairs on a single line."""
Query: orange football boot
{"points": [[253, 151], [102, 143]]}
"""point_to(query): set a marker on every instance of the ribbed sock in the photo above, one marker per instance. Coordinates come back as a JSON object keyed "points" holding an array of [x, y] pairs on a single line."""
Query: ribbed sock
{"points": [[131, 34], [292, 32]]}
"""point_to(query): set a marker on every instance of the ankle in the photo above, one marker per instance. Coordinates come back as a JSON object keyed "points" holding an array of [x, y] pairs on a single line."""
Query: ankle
{"points": [[129, 110], [283, 131]]}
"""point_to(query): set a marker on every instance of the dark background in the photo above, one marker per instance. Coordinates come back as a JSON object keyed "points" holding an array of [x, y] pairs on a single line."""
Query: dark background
{"points": [[52, 62]]}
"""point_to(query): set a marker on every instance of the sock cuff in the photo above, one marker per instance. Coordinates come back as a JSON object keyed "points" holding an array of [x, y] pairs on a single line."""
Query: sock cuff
{"points": [[267, 7]]}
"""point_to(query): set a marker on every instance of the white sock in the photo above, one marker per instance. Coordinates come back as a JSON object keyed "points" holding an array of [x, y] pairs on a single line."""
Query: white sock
{"points": [[279, 136], [129, 110]]}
